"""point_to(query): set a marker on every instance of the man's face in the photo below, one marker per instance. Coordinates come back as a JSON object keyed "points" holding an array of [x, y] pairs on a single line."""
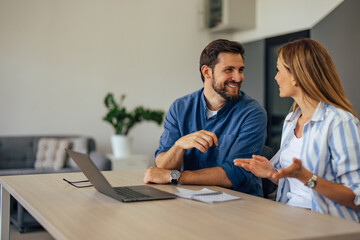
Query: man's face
{"points": [[227, 75]]}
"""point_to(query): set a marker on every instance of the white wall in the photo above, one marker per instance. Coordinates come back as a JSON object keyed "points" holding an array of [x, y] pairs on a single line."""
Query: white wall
{"points": [[58, 59], [278, 17]]}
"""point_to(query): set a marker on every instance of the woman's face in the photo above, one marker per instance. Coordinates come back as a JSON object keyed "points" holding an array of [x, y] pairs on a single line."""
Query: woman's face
{"points": [[285, 80]]}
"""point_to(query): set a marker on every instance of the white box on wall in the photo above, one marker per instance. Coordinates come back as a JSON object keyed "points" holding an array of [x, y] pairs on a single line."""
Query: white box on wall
{"points": [[229, 15]]}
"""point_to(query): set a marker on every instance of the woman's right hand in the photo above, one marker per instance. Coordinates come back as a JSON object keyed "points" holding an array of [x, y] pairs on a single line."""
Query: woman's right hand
{"points": [[258, 165]]}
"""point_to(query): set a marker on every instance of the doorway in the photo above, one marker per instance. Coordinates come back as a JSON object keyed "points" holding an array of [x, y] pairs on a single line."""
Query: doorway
{"points": [[277, 108]]}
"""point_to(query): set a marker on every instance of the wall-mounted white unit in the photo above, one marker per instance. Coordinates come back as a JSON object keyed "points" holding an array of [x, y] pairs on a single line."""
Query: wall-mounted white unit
{"points": [[229, 15]]}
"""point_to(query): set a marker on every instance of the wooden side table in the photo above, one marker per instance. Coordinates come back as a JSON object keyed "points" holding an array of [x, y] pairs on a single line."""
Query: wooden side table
{"points": [[134, 161]]}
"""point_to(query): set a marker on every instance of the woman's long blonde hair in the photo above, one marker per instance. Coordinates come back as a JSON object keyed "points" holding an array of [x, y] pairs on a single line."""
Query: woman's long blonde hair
{"points": [[315, 73]]}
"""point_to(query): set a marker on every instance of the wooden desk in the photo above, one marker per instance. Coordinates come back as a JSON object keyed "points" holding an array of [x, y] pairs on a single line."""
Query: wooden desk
{"points": [[71, 213]]}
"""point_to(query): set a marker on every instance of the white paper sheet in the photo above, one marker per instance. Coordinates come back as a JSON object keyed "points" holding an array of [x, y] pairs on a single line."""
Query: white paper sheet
{"points": [[205, 195]]}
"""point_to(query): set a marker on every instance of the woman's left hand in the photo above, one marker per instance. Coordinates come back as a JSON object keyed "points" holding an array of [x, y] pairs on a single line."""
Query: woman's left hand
{"points": [[295, 170]]}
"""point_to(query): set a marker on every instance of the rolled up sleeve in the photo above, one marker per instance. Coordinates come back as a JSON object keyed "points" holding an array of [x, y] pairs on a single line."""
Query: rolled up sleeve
{"points": [[171, 132], [249, 141], [345, 149], [242, 180]]}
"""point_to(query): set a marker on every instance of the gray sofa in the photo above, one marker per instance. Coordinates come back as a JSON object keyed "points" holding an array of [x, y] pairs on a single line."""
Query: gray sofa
{"points": [[18, 156]]}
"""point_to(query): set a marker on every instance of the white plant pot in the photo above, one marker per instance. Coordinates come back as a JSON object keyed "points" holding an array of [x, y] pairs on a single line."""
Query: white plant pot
{"points": [[121, 146]]}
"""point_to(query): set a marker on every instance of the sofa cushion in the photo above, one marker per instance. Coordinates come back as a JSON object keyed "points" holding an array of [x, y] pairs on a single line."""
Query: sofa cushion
{"points": [[17, 152], [51, 154], [78, 145]]}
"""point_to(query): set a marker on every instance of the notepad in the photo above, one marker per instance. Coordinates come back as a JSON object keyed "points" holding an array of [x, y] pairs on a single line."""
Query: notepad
{"points": [[205, 195]]}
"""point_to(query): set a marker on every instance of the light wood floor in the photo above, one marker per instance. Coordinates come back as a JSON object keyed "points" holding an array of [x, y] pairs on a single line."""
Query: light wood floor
{"points": [[37, 235]]}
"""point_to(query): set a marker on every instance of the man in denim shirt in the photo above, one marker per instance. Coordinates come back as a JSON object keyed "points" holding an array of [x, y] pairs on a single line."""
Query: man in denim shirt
{"points": [[206, 130]]}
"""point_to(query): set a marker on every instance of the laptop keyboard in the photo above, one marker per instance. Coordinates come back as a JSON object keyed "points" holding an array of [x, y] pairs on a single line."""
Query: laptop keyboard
{"points": [[129, 193]]}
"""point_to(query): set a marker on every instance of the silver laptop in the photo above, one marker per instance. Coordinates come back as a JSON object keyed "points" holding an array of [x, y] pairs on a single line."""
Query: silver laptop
{"points": [[124, 194]]}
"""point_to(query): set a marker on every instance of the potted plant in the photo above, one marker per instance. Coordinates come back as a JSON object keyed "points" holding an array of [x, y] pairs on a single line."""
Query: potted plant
{"points": [[123, 121]]}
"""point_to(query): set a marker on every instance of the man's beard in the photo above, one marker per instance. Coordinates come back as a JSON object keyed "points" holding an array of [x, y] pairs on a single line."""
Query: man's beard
{"points": [[221, 90]]}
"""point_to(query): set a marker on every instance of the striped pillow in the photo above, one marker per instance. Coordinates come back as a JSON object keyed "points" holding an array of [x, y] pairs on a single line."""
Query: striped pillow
{"points": [[51, 153]]}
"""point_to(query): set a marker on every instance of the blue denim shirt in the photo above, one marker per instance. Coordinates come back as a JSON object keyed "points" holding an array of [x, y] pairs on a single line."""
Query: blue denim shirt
{"points": [[240, 127]]}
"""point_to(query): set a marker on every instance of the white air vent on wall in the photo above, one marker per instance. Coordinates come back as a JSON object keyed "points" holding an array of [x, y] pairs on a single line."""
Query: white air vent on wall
{"points": [[229, 15]]}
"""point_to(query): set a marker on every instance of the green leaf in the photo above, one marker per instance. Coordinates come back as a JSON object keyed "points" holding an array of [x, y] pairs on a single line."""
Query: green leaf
{"points": [[124, 121]]}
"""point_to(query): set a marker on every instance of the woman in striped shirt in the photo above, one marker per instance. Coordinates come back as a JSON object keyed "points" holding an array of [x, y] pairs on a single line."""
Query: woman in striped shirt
{"points": [[318, 164]]}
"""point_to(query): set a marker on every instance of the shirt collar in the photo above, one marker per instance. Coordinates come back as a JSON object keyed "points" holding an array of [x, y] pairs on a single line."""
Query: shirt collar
{"points": [[227, 105], [318, 115]]}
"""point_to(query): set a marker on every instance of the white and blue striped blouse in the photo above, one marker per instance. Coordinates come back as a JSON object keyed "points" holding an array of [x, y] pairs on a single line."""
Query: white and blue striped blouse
{"points": [[330, 150]]}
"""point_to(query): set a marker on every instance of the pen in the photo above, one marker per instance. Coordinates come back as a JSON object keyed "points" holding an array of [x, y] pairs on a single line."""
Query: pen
{"points": [[208, 194]]}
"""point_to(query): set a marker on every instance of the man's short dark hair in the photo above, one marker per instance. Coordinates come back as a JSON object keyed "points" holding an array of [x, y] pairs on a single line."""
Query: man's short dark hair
{"points": [[209, 55]]}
